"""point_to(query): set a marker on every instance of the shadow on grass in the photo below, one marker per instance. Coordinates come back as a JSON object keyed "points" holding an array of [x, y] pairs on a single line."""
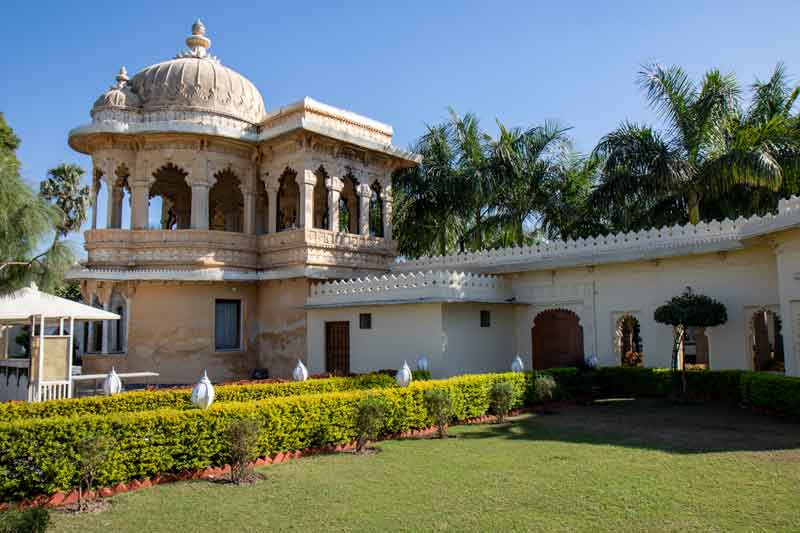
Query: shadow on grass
{"points": [[654, 424]]}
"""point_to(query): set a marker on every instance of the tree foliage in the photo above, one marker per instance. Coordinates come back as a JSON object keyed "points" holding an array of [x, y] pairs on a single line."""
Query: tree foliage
{"points": [[709, 148]]}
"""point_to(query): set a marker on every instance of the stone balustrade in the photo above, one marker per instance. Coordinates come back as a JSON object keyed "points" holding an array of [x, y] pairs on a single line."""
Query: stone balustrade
{"points": [[420, 286], [122, 248]]}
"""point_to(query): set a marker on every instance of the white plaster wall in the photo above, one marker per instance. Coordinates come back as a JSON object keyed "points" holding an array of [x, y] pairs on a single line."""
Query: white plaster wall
{"points": [[742, 280], [399, 332], [469, 348], [788, 266]]}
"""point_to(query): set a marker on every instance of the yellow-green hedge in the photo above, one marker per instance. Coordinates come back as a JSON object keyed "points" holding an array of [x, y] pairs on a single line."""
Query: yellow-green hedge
{"points": [[130, 402], [40, 456]]}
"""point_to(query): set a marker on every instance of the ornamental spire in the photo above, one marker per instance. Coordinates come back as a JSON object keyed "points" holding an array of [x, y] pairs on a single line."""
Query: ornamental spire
{"points": [[122, 77], [197, 42]]}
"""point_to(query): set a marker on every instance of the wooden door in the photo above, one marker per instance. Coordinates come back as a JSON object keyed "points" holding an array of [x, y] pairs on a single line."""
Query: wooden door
{"points": [[557, 340], [337, 348]]}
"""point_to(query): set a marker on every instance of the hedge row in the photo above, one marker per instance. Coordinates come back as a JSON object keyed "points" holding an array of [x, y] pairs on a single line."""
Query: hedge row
{"points": [[41, 455], [130, 402]]}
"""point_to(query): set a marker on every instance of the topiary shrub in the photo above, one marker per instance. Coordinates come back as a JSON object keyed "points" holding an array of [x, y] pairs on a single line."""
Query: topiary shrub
{"points": [[439, 404], [243, 440], [370, 415], [94, 451], [544, 388], [501, 398]]}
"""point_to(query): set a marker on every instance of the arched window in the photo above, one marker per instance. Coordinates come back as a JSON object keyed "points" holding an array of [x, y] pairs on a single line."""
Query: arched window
{"points": [[121, 198], [288, 201], [629, 341], [226, 203], [118, 332], [171, 204], [321, 200], [348, 206], [375, 211]]}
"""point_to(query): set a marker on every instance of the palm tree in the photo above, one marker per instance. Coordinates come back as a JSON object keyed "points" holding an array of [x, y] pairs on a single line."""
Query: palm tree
{"points": [[768, 119], [649, 174], [429, 200], [527, 167], [63, 188], [472, 148]]}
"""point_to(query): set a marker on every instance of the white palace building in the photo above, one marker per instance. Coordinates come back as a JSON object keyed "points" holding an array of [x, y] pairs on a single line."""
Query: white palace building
{"points": [[272, 242]]}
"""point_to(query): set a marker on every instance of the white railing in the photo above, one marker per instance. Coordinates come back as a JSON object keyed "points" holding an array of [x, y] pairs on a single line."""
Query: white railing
{"points": [[439, 285], [51, 390]]}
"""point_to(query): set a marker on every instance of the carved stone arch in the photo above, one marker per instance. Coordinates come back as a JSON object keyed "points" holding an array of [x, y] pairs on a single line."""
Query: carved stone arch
{"points": [[628, 345], [376, 207], [557, 339], [320, 202], [349, 205], [171, 183], [226, 201], [288, 200], [765, 338]]}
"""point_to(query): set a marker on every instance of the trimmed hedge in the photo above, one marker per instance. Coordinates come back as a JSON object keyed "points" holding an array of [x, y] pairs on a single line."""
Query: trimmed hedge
{"points": [[130, 402], [772, 391], [40, 456]]}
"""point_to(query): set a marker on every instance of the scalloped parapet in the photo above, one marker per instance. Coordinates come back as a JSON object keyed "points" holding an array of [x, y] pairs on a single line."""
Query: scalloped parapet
{"points": [[429, 286], [652, 243]]}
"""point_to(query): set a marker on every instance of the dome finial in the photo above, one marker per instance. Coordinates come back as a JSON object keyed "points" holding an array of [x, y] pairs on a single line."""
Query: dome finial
{"points": [[197, 42], [122, 77]]}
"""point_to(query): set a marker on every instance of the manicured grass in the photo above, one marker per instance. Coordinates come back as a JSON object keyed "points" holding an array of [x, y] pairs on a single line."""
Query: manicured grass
{"points": [[613, 466]]}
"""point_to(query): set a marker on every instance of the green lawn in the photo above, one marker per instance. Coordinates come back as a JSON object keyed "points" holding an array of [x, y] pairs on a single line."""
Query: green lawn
{"points": [[613, 466]]}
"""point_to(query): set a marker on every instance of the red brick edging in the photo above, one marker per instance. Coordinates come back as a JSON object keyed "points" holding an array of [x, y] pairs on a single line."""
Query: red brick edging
{"points": [[61, 498]]}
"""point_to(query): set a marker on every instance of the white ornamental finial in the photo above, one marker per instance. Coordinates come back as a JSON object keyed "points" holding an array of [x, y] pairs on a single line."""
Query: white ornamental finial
{"points": [[300, 372], [517, 365], [203, 392], [422, 362], [112, 384], [197, 42], [404, 377], [122, 77]]}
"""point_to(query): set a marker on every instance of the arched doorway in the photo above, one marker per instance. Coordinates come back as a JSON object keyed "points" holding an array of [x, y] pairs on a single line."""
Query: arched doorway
{"points": [[375, 210], [557, 339], [321, 200], [766, 341], [629, 341], [349, 206]]}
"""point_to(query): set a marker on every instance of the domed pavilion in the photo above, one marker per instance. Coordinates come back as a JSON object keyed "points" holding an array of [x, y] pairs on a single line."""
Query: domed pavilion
{"points": [[219, 213]]}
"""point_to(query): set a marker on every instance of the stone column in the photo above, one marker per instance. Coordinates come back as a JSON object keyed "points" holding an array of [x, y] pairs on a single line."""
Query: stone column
{"points": [[306, 180], [335, 186], [386, 200], [140, 200], [115, 207], [249, 213], [106, 330], [95, 193], [199, 216], [272, 209], [364, 193]]}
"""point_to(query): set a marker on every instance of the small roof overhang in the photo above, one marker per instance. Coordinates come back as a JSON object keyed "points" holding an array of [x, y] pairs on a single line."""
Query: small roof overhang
{"points": [[30, 301]]}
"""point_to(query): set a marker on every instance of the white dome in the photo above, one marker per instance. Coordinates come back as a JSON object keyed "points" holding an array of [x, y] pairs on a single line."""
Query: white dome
{"points": [[194, 81]]}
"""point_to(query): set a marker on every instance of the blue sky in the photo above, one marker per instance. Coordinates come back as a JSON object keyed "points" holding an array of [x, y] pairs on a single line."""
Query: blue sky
{"points": [[402, 63]]}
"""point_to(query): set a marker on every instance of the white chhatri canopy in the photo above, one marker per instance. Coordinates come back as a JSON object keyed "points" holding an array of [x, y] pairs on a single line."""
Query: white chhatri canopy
{"points": [[30, 301]]}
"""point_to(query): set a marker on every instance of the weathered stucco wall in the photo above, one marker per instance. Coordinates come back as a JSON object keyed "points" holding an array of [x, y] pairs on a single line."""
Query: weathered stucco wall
{"points": [[172, 333], [469, 347], [742, 280], [399, 333], [282, 325]]}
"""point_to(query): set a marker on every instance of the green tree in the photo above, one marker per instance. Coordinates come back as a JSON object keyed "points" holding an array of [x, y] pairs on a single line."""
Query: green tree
{"points": [[429, 208], [689, 310], [63, 188], [651, 176], [29, 244], [528, 168]]}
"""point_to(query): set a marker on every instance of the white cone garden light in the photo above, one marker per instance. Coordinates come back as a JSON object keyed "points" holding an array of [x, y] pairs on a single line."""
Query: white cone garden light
{"points": [[517, 365], [203, 392], [300, 372], [112, 384], [403, 377]]}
